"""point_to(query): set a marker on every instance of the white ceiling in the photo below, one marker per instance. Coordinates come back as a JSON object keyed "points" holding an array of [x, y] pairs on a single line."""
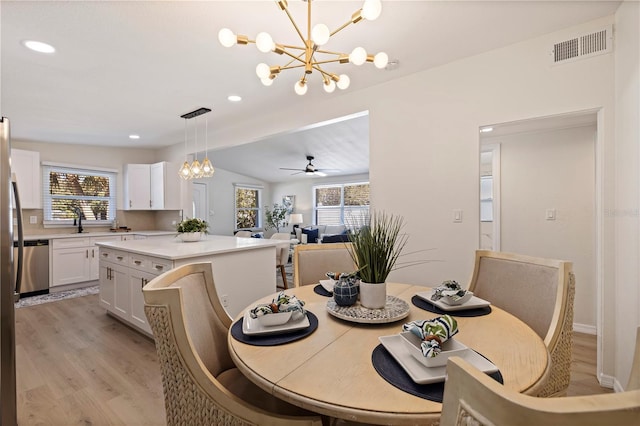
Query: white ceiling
{"points": [[135, 66]]}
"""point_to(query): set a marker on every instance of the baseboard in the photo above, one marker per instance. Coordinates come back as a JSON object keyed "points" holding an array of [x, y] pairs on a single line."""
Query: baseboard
{"points": [[607, 381], [583, 328]]}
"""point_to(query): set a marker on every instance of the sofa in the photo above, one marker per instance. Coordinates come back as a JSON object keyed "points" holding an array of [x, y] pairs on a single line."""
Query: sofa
{"points": [[323, 233]]}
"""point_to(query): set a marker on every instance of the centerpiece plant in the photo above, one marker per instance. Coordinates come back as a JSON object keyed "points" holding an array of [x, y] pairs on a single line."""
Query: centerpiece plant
{"points": [[375, 248], [192, 229]]}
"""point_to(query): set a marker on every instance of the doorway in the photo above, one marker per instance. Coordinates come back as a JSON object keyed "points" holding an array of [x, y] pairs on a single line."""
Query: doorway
{"points": [[546, 181], [200, 206]]}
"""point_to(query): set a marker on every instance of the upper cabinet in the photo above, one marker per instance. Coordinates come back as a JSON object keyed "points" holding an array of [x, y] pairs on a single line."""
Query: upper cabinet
{"points": [[26, 166], [151, 187]]}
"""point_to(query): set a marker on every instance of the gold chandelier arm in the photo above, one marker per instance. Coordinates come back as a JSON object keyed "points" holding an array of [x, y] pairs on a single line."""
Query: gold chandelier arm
{"points": [[283, 5], [288, 46], [355, 18], [330, 52], [294, 57]]}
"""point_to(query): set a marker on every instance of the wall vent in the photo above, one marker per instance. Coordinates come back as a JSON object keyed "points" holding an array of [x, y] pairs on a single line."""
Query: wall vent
{"points": [[583, 46]]}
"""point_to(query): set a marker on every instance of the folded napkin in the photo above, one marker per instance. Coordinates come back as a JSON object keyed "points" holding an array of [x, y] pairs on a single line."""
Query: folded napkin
{"points": [[448, 288], [281, 303], [433, 333]]}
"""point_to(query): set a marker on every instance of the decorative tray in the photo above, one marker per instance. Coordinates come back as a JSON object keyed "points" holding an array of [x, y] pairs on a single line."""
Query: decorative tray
{"points": [[395, 309]]}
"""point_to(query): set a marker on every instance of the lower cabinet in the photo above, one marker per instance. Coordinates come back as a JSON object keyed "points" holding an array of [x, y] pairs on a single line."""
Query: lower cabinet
{"points": [[75, 260], [122, 276]]}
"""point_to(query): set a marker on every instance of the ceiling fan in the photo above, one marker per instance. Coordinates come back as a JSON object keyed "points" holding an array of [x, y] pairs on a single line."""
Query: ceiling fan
{"points": [[310, 169]]}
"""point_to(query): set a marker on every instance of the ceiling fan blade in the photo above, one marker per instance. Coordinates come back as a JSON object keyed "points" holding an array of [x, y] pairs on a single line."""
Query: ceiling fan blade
{"points": [[328, 170], [296, 173], [284, 168], [319, 173]]}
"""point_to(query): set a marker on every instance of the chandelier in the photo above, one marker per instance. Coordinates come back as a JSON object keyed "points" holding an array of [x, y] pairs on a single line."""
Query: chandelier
{"points": [[310, 56], [196, 170]]}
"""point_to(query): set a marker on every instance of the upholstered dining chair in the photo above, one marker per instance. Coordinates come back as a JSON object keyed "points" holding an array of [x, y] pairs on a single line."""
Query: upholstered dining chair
{"points": [[473, 398], [282, 255], [312, 261], [201, 384], [243, 234], [540, 292]]}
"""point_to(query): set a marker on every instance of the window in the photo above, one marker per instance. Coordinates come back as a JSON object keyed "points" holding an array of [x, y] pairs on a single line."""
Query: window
{"points": [[67, 190], [337, 204], [247, 202]]}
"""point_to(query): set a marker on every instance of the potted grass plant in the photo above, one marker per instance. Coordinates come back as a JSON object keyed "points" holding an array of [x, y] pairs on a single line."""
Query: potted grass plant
{"points": [[375, 248], [192, 229]]}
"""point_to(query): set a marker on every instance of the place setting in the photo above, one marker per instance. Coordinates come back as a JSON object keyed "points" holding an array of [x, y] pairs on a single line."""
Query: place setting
{"points": [[281, 321], [414, 360], [450, 298]]}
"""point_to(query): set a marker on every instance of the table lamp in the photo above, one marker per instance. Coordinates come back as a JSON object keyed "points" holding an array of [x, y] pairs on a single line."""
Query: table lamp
{"points": [[295, 219]]}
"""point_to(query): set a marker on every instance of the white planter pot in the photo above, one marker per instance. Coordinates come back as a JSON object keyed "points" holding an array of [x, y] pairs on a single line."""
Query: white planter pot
{"points": [[373, 296], [191, 236]]}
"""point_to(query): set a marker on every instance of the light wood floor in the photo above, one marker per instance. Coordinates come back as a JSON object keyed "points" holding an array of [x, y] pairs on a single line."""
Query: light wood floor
{"points": [[78, 366]]}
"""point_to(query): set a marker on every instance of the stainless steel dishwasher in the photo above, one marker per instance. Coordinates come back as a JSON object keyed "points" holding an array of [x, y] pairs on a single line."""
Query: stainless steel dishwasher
{"points": [[35, 269]]}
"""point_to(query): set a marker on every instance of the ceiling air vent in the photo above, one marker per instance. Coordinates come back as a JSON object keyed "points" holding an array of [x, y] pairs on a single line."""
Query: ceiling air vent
{"points": [[583, 46]]}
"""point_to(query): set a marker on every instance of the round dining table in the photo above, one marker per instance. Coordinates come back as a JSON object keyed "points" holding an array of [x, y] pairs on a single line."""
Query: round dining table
{"points": [[330, 371]]}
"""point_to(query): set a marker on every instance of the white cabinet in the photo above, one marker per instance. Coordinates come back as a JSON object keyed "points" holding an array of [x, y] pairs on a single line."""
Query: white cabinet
{"points": [[122, 276], [26, 166], [151, 187], [75, 260]]}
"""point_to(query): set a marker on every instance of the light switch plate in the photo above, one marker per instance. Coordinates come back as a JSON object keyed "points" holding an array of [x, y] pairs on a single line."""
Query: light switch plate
{"points": [[457, 216], [550, 214]]}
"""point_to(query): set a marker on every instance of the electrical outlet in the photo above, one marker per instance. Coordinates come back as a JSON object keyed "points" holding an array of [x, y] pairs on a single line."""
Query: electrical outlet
{"points": [[173, 222], [33, 219], [224, 299]]}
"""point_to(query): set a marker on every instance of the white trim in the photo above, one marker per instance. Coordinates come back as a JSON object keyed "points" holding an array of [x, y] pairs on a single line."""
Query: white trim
{"points": [[584, 328], [494, 148], [617, 386], [248, 185], [606, 381], [599, 249], [75, 166]]}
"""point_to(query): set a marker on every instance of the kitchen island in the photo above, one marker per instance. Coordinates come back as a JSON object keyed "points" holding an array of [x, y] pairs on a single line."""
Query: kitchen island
{"points": [[244, 269]]}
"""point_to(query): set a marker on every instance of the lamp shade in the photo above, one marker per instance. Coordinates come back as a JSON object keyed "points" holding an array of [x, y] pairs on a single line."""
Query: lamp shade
{"points": [[295, 218]]}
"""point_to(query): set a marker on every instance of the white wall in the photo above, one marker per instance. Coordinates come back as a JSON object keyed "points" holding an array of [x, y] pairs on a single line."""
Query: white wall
{"points": [[552, 170], [424, 144], [626, 211]]}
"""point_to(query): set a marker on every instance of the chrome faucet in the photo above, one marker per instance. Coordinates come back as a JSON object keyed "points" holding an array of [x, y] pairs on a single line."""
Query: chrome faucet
{"points": [[79, 214]]}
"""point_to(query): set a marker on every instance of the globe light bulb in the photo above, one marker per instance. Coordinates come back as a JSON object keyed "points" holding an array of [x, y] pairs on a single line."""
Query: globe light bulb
{"points": [[267, 81], [320, 34], [343, 82], [263, 70], [226, 37], [381, 60], [371, 9], [264, 42], [358, 56], [329, 86], [300, 87]]}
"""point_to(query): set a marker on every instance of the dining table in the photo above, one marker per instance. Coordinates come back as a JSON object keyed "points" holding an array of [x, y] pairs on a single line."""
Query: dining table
{"points": [[330, 371]]}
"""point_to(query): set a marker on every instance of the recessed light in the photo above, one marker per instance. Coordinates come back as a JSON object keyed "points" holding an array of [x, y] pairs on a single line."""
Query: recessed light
{"points": [[486, 129], [134, 136], [39, 46], [234, 98]]}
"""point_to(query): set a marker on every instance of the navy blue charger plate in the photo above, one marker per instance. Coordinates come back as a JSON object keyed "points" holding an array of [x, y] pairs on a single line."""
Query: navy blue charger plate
{"points": [[273, 339]]}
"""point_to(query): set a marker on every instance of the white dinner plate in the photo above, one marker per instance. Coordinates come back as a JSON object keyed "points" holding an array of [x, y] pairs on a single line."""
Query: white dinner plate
{"points": [[251, 326], [424, 375], [473, 303], [327, 285]]}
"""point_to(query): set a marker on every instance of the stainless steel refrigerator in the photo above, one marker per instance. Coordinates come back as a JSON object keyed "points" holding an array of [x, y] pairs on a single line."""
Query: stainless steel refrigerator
{"points": [[8, 410]]}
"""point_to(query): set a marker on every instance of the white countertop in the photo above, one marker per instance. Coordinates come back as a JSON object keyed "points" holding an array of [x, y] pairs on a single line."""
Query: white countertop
{"points": [[173, 248], [32, 237]]}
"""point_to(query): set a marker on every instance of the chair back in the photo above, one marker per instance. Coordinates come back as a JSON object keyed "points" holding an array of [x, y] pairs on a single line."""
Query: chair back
{"points": [[243, 234], [538, 291], [192, 350], [312, 261], [473, 398], [282, 252]]}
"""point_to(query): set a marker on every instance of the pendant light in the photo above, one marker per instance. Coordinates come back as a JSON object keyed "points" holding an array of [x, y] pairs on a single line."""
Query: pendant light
{"points": [[207, 167], [195, 170]]}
